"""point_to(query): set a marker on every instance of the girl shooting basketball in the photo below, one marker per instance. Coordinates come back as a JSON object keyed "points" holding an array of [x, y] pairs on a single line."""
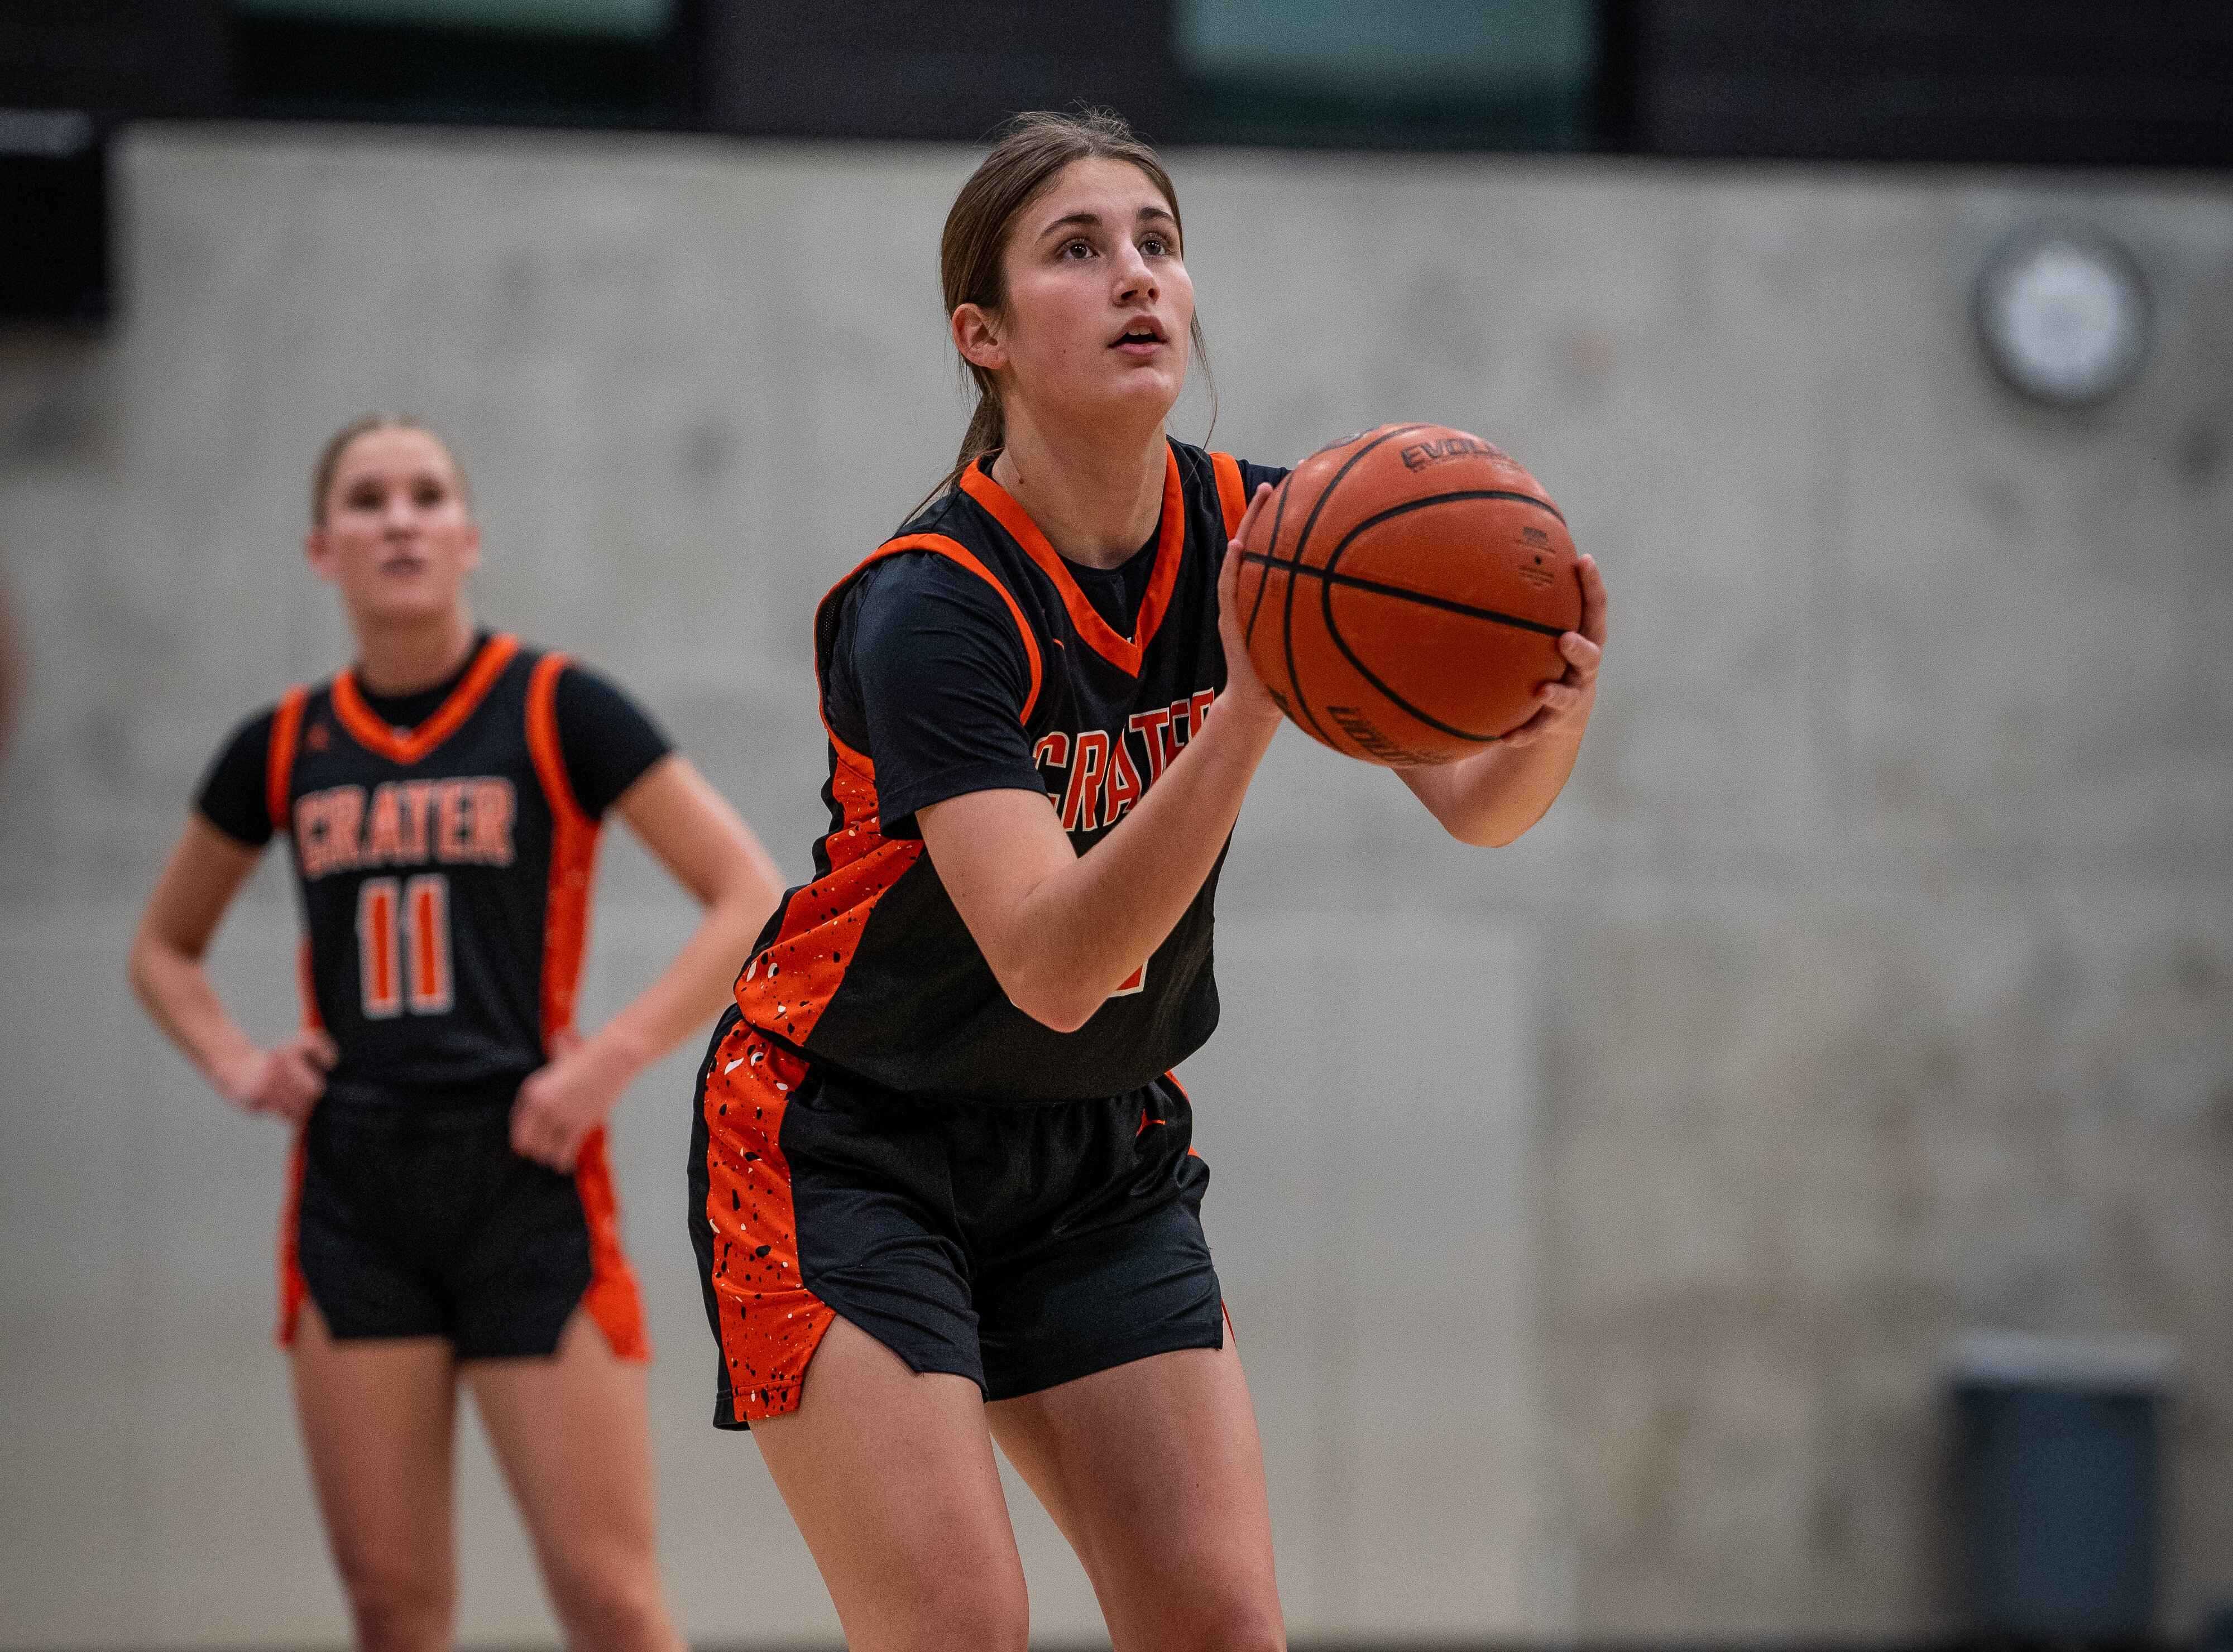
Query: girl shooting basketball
{"points": [[452, 1212], [942, 1190]]}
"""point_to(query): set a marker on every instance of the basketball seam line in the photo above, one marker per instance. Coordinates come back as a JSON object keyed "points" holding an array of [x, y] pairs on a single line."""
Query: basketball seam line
{"points": [[1419, 597], [1302, 542]]}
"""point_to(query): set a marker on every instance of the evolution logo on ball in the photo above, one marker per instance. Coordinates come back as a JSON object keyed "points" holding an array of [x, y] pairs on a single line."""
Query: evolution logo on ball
{"points": [[1419, 455]]}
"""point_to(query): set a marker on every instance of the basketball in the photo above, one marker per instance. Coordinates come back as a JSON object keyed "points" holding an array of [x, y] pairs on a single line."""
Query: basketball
{"points": [[1409, 596]]}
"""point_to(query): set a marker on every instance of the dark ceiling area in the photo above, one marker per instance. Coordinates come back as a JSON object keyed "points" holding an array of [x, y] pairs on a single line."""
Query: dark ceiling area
{"points": [[2044, 81]]}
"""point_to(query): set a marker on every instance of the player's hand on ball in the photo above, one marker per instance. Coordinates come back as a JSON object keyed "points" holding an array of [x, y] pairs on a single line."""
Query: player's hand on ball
{"points": [[1565, 703], [286, 1080], [1244, 689], [562, 1102]]}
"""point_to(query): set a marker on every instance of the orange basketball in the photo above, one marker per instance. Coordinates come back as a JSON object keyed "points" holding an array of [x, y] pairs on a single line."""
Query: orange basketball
{"points": [[1409, 595]]}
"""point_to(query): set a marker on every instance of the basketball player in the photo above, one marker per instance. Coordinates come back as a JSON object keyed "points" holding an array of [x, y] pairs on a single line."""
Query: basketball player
{"points": [[942, 1190], [452, 1212]]}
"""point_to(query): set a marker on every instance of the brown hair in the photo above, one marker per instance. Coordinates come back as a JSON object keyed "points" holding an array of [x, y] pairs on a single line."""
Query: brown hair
{"points": [[1032, 149], [329, 456]]}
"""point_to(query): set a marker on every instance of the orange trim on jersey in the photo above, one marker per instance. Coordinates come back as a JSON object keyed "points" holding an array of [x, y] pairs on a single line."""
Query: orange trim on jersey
{"points": [[954, 550], [279, 802], [374, 736], [279, 758], [612, 1299], [770, 1323], [1125, 653], [1232, 492], [573, 854], [786, 987], [306, 983], [294, 1290]]}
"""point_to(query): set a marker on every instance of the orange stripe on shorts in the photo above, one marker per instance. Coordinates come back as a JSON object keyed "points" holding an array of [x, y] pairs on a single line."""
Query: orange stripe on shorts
{"points": [[771, 1322]]}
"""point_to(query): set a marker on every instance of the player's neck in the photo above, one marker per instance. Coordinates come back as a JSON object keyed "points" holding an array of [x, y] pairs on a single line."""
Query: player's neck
{"points": [[407, 657], [1096, 500]]}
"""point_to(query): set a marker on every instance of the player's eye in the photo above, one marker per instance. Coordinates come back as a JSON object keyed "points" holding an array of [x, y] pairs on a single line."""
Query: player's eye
{"points": [[1154, 245], [428, 495], [1075, 250], [363, 497]]}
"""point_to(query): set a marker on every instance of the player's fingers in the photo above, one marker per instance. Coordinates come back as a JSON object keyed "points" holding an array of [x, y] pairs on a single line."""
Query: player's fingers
{"points": [[1245, 535], [1594, 602], [1581, 653], [321, 1048], [1228, 588], [1252, 515], [299, 1077], [1557, 699]]}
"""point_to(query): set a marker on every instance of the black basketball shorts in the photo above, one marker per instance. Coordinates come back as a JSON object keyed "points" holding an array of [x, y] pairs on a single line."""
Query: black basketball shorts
{"points": [[1018, 1247], [419, 1220]]}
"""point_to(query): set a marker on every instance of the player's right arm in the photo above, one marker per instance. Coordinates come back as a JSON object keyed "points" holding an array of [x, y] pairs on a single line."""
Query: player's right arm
{"points": [[1060, 930], [205, 870], [224, 838]]}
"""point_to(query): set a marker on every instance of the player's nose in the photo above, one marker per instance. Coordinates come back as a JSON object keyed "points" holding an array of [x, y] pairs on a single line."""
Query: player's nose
{"points": [[1136, 277]]}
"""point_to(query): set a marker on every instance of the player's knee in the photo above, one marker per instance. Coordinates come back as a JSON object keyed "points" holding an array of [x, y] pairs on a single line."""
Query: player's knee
{"points": [[397, 1608], [968, 1619], [612, 1608], [1241, 1624]]}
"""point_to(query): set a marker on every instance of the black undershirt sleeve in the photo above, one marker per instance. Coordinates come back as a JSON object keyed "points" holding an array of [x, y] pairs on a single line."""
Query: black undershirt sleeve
{"points": [[233, 793], [930, 671], [1254, 475], [607, 739]]}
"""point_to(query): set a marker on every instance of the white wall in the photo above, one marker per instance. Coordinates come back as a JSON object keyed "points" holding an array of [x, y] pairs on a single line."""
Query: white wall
{"points": [[1880, 954]]}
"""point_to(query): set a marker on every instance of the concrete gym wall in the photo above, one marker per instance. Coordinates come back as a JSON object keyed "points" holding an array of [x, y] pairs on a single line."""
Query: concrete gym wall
{"points": [[1872, 982]]}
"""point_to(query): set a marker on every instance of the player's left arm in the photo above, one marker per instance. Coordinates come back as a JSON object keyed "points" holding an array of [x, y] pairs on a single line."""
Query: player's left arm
{"points": [[1494, 796], [691, 830]]}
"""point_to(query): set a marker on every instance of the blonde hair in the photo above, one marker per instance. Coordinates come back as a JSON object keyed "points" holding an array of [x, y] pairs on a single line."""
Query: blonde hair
{"points": [[329, 456]]}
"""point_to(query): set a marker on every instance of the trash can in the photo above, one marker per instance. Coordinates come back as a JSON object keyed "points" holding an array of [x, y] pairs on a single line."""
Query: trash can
{"points": [[2056, 1482]]}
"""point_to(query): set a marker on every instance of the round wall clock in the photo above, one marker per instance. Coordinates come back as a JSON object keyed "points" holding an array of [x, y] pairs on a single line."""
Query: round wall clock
{"points": [[2063, 314]]}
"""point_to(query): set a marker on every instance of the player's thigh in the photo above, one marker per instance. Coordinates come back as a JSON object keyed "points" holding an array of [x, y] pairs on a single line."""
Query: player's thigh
{"points": [[378, 1417], [891, 1479], [1154, 1472], [572, 1433]]}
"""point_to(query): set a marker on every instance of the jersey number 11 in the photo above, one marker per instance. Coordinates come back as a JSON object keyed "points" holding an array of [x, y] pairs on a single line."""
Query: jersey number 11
{"points": [[403, 945]]}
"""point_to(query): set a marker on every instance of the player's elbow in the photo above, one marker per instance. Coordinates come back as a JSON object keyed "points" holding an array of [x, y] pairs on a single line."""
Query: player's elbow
{"points": [[1489, 835], [1488, 828], [1052, 998], [1055, 1009], [139, 966]]}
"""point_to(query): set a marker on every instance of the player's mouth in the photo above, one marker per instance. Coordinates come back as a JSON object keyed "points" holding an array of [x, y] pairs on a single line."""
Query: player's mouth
{"points": [[1142, 338], [404, 565]]}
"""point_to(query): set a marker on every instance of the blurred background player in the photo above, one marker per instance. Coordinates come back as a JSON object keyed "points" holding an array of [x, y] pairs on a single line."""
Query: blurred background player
{"points": [[453, 1210], [940, 1155]]}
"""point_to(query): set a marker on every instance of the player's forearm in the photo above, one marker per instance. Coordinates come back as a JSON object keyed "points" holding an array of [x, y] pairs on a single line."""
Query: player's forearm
{"points": [[176, 992], [1092, 922], [1492, 798], [696, 984]]}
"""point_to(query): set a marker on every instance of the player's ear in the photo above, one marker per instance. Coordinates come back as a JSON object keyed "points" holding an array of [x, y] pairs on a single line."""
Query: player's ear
{"points": [[318, 551], [977, 335]]}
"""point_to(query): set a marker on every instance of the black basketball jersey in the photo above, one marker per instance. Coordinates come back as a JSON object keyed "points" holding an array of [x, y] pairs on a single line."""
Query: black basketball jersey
{"points": [[445, 875], [869, 966]]}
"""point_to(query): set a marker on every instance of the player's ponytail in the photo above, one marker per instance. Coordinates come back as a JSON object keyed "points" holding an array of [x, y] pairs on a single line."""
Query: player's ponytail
{"points": [[1032, 149]]}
